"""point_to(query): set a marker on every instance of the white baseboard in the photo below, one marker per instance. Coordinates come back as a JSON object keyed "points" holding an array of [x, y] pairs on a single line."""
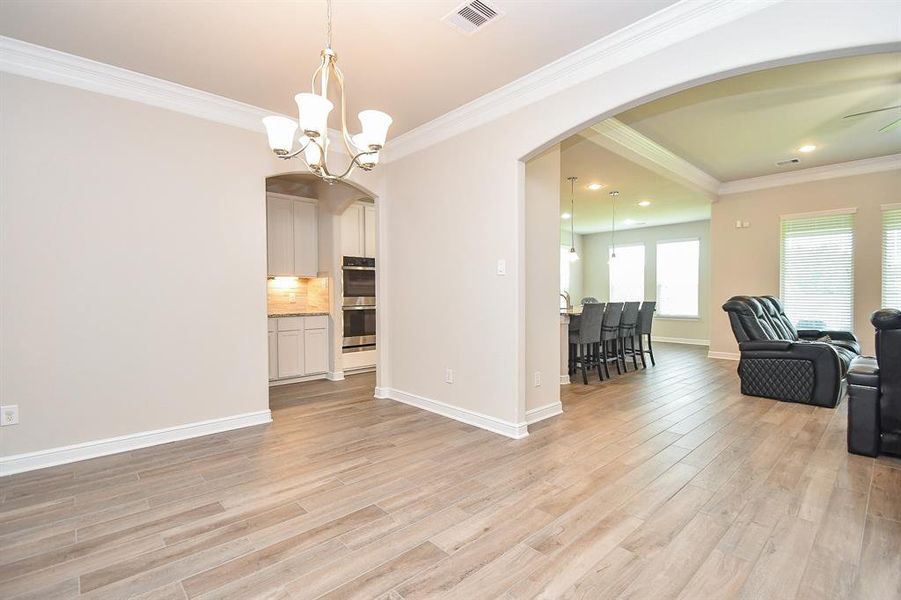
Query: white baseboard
{"points": [[470, 417], [675, 340], [544, 412], [335, 375], [565, 380], [724, 355], [382, 393], [275, 382], [19, 463]]}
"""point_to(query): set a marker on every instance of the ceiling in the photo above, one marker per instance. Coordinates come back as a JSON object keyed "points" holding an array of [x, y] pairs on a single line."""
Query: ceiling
{"points": [[670, 202], [739, 127], [397, 56]]}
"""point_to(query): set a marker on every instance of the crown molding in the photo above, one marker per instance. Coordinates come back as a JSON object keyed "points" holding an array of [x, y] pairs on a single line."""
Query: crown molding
{"points": [[37, 62], [846, 169], [675, 23], [644, 149]]}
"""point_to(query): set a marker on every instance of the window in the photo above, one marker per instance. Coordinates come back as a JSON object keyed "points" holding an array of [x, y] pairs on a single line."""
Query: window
{"points": [[678, 265], [891, 257], [817, 270], [627, 273]]}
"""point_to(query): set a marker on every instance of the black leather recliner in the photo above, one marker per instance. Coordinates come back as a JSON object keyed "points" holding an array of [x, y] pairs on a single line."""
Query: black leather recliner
{"points": [[874, 403], [781, 362]]}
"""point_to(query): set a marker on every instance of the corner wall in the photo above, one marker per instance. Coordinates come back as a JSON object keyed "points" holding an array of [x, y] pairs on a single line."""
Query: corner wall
{"points": [[115, 219], [542, 283], [746, 261]]}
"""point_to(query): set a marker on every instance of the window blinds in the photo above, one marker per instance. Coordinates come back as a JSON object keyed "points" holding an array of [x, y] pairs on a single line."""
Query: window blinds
{"points": [[891, 258], [817, 270]]}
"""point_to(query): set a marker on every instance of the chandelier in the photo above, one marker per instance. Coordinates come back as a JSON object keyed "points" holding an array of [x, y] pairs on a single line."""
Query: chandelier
{"points": [[313, 111]]}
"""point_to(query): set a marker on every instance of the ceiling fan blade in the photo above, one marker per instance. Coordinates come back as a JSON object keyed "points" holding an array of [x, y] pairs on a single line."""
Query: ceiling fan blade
{"points": [[869, 112], [891, 126]]}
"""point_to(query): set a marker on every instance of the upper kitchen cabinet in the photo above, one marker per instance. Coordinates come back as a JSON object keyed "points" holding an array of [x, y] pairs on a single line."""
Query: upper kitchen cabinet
{"points": [[292, 232], [358, 230]]}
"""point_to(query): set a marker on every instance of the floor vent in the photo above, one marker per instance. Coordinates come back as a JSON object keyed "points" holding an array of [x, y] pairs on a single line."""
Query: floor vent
{"points": [[473, 16], [790, 161]]}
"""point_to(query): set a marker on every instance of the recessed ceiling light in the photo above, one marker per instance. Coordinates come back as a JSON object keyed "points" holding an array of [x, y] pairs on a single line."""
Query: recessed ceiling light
{"points": [[807, 148], [565, 216], [595, 186], [644, 203]]}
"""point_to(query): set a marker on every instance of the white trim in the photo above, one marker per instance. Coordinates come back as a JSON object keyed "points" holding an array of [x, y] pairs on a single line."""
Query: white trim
{"points": [[642, 147], [301, 379], [470, 417], [819, 213], [677, 340], [565, 380], [541, 413], [382, 393], [335, 375], [846, 169], [671, 25], [30, 60], [37, 62], [19, 463], [724, 355]]}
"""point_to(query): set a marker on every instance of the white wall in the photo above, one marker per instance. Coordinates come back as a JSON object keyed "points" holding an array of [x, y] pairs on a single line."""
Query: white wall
{"points": [[576, 268], [457, 205], [542, 280], [746, 261], [597, 273], [133, 254]]}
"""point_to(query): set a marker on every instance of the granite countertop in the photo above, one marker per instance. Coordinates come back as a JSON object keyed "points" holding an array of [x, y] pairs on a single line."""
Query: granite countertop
{"points": [[299, 314]]}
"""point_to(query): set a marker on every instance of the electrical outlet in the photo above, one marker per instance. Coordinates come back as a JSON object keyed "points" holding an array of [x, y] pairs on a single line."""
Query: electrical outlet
{"points": [[9, 415], [501, 266], [292, 297], [537, 378], [448, 375]]}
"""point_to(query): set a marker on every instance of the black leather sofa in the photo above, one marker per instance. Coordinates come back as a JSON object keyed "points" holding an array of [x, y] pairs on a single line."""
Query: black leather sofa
{"points": [[874, 390], [781, 362]]}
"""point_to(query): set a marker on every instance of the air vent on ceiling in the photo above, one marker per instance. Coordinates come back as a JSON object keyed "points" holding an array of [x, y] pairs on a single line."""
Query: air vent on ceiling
{"points": [[790, 161], [473, 16]]}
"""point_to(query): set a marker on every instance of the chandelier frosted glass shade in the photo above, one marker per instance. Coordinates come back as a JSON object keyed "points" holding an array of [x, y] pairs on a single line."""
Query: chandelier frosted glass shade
{"points": [[375, 126], [280, 131], [313, 110], [361, 142]]}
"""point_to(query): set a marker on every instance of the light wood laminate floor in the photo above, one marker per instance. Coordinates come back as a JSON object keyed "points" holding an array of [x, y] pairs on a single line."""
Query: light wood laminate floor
{"points": [[664, 483]]}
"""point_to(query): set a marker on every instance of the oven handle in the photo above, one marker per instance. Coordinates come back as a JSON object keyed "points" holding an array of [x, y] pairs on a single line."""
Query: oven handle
{"points": [[358, 268], [359, 307]]}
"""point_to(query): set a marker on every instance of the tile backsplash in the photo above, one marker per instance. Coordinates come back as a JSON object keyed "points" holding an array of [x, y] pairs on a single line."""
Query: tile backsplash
{"points": [[310, 295]]}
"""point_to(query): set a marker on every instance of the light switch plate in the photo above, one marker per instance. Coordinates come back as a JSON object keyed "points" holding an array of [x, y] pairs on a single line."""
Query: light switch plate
{"points": [[501, 266], [448, 376]]}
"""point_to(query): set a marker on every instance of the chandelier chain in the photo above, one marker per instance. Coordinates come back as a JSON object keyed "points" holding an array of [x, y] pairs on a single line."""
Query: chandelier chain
{"points": [[328, 9]]}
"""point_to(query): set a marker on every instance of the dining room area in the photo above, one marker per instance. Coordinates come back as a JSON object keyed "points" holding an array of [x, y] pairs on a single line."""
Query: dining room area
{"points": [[634, 265]]}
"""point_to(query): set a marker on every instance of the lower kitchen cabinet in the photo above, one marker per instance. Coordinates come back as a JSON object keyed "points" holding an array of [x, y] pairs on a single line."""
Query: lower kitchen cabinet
{"points": [[290, 354], [273, 355], [298, 347], [315, 347]]}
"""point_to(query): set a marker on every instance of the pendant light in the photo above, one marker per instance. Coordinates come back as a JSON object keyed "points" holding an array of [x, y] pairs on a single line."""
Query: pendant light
{"points": [[573, 255], [613, 195]]}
